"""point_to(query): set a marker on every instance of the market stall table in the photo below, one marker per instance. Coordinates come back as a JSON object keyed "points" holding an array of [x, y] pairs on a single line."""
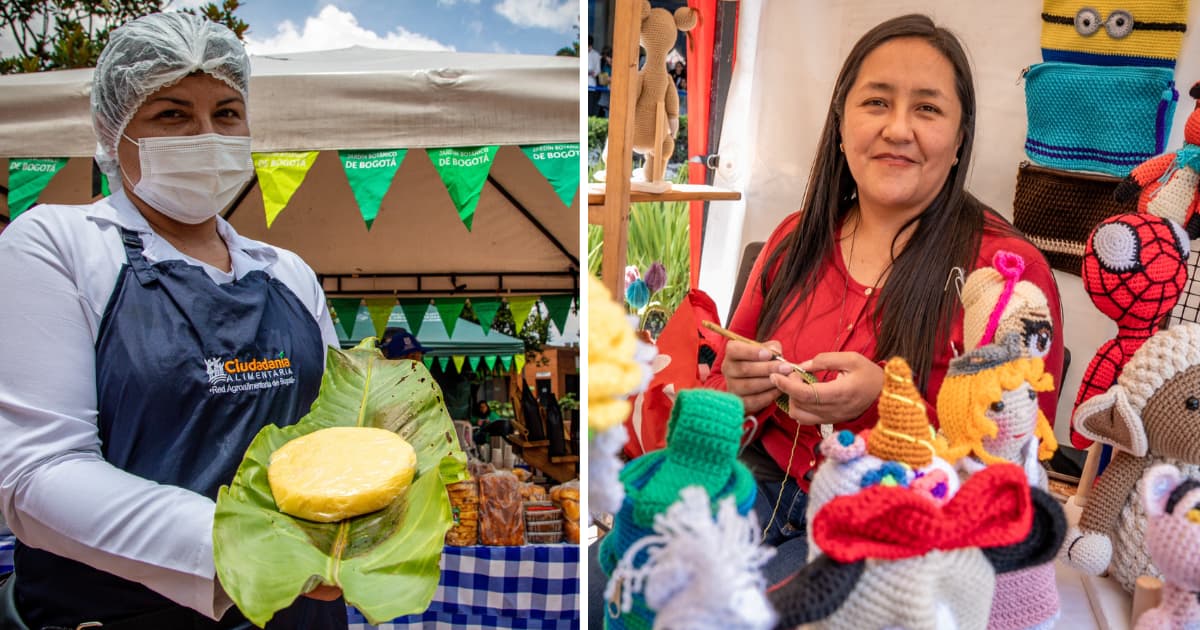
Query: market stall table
{"points": [[535, 587]]}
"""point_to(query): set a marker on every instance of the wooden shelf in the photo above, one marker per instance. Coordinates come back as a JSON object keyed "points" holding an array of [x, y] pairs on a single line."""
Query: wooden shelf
{"points": [[564, 459], [678, 192]]}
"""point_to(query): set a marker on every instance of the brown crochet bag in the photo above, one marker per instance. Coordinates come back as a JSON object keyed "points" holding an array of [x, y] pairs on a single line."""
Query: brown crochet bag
{"points": [[1057, 210]]}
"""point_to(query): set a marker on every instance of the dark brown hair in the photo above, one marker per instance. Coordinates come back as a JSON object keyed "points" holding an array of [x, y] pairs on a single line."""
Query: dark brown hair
{"points": [[915, 309]]}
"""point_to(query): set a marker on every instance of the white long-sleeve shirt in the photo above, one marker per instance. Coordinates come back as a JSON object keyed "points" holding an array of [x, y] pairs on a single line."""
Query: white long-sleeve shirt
{"points": [[60, 265]]}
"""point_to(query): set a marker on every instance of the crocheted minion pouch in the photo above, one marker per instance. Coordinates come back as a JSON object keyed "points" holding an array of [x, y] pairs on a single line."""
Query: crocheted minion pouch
{"points": [[1057, 211], [1114, 32], [1095, 118]]}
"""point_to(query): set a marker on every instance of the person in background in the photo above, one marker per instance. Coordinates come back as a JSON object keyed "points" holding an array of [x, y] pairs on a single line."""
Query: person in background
{"points": [[398, 343], [593, 74], [481, 416], [862, 272], [115, 443]]}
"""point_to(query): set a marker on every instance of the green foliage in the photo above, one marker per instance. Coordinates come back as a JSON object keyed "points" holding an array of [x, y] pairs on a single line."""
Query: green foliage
{"points": [[535, 334], [573, 49], [658, 231], [598, 133], [60, 34], [568, 401]]}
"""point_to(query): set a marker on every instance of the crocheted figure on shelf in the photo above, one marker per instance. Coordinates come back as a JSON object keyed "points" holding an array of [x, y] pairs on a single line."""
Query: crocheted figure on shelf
{"points": [[1151, 416], [895, 558], [617, 368], [703, 438], [899, 451], [698, 572], [988, 410], [1125, 33], [656, 112], [1172, 503], [1167, 185], [1134, 268], [997, 303]]}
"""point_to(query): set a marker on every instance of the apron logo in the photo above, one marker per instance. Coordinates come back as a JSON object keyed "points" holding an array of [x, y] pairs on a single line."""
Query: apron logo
{"points": [[231, 376]]}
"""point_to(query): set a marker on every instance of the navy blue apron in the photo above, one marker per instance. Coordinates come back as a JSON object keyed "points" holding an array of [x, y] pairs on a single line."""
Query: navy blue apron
{"points": [[187, 372]]}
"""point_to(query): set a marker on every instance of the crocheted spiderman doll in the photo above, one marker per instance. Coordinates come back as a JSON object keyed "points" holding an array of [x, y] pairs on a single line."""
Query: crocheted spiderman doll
{"points": [[1134, 268], [1172, 502], [1169, 184]]}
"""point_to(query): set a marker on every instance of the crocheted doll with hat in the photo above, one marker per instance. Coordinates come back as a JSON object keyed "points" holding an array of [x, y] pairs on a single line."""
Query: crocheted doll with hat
{"points": [[1169, 185], [998, 303], [1172, 503], [896, 558], [1134, 268], [1151, 416], [899, 451], [703, 439]]}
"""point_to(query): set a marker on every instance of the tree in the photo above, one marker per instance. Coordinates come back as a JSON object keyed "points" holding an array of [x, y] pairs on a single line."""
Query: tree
{"points": [[573, 49], [535, 334], [60, 34]]}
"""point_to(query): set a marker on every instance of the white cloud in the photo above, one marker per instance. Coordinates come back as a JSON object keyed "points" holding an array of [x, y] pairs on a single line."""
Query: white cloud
{"points": [[450, 3], [475, 26], [558, 15], [176, 5], [333, 28]]}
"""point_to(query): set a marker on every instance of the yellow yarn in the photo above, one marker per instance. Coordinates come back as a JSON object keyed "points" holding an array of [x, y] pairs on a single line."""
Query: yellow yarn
{"points": [[1139, 42], [964, 399], [903, 432], [612, 371]]}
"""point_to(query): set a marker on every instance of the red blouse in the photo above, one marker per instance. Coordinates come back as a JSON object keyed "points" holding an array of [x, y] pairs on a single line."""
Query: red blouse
{"points": [[839, 319]]}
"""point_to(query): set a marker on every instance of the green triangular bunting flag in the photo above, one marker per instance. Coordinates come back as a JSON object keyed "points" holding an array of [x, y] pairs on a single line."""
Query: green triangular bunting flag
{"points": [[27, 178], [414, 313], [520, 307], [520, 359], [464, 172], [370, 175], [443, 362], [347, 313], [428, 361], [458, 362], [506, 361], [279, 176], [559, 164], [559, 307], [380, 309], [490, 361], [485, 310], [449, 309], [474, 363]]}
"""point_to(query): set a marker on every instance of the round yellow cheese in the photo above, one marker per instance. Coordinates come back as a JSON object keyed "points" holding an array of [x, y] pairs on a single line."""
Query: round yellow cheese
{"points": [[341, 472]]}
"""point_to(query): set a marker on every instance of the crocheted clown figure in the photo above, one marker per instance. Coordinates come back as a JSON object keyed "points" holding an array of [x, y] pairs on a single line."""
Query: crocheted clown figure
{"points": [[895, 558], [1169, 185], [1151, 416], [1172, 503], [703, 439], [997, 303], [1134, 268], [617, 368], [899, 451]]}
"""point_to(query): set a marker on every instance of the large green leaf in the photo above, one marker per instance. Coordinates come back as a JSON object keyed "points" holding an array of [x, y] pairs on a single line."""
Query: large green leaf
{"points": [[386, 562]]}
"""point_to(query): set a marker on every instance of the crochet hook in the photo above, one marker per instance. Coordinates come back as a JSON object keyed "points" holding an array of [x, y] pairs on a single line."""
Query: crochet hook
{"points": [[775, 354]]}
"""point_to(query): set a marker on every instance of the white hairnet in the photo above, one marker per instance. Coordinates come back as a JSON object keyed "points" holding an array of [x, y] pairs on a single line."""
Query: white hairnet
{"points": [[149, 53]]}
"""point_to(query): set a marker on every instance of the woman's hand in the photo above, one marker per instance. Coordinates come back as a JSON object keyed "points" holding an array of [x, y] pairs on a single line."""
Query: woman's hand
{"points": [[855, 388], [748, 371]]}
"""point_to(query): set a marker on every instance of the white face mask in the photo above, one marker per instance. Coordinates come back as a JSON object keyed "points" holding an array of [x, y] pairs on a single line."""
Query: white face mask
{"points": [[192, 178]]}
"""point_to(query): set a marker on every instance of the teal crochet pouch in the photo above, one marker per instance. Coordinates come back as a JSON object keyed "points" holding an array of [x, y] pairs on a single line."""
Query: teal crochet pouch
{"points": [[1105, 119]]}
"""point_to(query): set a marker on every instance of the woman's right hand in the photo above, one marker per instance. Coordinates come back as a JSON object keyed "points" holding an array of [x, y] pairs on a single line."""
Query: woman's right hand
{"points": [[747, 369]]}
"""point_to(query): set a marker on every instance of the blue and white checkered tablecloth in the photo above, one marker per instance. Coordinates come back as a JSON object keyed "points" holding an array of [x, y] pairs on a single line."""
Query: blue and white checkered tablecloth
{"points": [[533, 587]]}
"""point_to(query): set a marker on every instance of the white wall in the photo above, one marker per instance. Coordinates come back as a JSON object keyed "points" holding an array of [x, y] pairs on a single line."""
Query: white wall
{"points": [[789, 53]]}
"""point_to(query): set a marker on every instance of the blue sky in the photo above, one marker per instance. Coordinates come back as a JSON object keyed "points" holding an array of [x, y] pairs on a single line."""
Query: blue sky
{"points": [[508, 26]]}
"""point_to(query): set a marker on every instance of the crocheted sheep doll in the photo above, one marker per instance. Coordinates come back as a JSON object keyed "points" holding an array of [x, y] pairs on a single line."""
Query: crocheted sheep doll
{"points": [[1151, 416], [1169, 185], [1172, 503], [894, 558], [1134, 268]]}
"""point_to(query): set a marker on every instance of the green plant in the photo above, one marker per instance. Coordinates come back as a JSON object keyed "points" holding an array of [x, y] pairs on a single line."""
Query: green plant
{"points": [[598, 133], [568, 401]]}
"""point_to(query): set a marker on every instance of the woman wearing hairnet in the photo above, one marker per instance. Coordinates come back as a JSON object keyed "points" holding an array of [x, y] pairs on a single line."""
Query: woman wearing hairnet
{"points": [[116, 429]]}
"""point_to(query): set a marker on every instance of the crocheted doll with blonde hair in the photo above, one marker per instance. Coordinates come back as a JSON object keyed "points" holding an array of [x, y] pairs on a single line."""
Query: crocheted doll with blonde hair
{"points": [[997, 303]]}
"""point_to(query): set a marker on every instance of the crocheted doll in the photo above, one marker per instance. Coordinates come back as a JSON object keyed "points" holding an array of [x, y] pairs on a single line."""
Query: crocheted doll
{"points": [[997, 303], [1134, 268], [1172, 503], [895, 558], [703, 438], [1151, 416], [1167, 185], [656, 113], [899, 451]]}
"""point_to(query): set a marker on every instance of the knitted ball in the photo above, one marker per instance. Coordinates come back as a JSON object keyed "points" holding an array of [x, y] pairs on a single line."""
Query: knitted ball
{"points": [[903, 433], [1164, 355]]}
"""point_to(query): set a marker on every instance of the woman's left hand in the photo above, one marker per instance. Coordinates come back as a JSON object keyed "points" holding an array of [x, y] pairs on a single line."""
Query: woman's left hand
{"points": [[855, 388]]}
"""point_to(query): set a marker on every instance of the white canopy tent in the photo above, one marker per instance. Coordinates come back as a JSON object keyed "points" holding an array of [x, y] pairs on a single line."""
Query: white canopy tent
{"points": [[524, 239]]}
